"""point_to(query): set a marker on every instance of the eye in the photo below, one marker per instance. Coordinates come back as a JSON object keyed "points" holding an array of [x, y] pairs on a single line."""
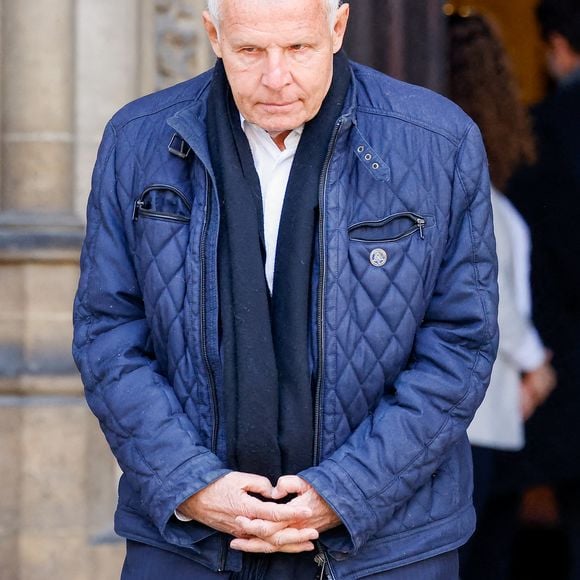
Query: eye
{"points": [[248, 50], [298, 47]]}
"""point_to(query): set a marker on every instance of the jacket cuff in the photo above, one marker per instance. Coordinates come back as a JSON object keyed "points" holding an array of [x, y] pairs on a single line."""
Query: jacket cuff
{"points": [[189, 478], [344, 496]]}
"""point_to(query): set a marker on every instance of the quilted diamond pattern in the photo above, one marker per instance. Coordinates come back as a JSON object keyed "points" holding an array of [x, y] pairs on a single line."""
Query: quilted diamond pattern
{"points": [[408, 344]]}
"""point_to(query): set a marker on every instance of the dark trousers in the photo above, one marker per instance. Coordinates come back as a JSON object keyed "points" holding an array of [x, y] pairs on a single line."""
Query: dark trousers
{"points": [[148, 563], [488, 553]]}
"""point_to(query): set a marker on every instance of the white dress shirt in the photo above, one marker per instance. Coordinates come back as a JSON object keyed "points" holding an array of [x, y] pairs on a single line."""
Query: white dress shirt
{"points": [[273, 167]]}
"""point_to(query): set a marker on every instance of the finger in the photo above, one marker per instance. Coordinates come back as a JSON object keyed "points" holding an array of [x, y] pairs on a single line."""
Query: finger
{"points": [[291, 536], [258, 546], [258, 484], [258, 527], [273, 512], [289, 484]]}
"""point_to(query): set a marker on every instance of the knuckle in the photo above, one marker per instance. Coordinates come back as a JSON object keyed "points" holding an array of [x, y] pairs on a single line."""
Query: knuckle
{"points": [[275, 516]]}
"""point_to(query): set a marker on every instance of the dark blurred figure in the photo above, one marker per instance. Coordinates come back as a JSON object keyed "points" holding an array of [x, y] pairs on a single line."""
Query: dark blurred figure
{"points": [[481, 82], [548, 196]]}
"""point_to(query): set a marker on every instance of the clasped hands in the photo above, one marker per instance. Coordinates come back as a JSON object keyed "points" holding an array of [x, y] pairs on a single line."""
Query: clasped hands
{"points": [[230, 505]]}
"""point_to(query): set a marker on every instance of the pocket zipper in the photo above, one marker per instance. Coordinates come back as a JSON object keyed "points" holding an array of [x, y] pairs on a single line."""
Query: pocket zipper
{"points": [[419, 225], [139, 209]]}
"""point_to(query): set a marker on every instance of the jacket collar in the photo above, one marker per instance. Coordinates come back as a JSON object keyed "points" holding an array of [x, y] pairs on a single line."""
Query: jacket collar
{"points": [[190, 122]]}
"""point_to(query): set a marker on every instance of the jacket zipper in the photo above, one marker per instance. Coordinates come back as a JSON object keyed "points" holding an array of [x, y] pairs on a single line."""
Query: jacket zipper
{"points": [[223, 553], [321, 288], [323, 562], [321, 558], [205, 356]]}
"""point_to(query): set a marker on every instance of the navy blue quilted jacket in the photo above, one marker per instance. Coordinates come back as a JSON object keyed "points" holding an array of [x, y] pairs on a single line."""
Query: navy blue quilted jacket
{"points": [[405, 321]]}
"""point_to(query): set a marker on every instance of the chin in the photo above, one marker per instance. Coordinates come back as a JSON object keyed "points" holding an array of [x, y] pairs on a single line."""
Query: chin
{"points": [[279, 123]]}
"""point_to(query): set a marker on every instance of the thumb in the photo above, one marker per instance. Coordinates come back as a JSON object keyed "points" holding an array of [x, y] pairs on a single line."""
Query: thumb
{"points": [[289, 484]]}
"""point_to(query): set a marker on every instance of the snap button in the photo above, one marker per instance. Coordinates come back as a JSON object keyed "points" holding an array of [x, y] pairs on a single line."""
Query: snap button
{"points": [[375, 165], [378, 258], [360, 148], [368, 156]]}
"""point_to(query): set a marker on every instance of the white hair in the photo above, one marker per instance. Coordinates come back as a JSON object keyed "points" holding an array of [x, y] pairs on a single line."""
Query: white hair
{"points": [[214, 9]]}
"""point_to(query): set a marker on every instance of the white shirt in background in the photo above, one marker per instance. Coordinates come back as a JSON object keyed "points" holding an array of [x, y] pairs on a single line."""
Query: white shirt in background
{"points": [[498, 423]]}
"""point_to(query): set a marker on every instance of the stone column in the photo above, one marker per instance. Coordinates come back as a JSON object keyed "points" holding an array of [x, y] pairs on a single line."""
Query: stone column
{"points": [[37, 119], [66, 66], [108, 75], [36, 221], [182, 47]]}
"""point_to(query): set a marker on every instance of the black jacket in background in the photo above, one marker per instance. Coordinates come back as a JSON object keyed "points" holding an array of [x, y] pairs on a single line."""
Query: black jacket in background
{"points": [[548, 196]]}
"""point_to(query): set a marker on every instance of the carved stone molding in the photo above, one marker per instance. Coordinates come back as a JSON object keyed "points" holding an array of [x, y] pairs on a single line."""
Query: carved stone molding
{"points": [[182, 48]]}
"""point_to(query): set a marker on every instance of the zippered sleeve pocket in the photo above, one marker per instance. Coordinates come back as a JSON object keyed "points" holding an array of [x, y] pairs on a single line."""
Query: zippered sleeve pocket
{"points": [[391, 228], [162, 202]]}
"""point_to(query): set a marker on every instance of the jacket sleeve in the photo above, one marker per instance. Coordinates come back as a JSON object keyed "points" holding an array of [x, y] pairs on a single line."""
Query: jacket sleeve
{"points": [[397, 449], [154, 441]]}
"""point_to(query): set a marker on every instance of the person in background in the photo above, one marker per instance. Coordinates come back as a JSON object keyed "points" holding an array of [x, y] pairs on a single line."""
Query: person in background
{"points": [[481, 82], [548, 196]]}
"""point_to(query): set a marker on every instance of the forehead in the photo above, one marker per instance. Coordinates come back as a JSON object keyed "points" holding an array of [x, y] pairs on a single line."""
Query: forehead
{"points": [[272, 18]]}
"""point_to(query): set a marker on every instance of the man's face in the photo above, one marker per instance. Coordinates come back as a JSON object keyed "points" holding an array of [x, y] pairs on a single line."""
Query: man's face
{"points": [[278, 57]]}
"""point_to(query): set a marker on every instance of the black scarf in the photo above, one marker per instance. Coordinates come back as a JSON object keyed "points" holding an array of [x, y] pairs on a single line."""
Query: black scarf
{"points": [[267, 371]]}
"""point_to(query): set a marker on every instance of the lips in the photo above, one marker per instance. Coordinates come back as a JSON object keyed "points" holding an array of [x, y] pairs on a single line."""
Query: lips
{"points": [[278, 105]]}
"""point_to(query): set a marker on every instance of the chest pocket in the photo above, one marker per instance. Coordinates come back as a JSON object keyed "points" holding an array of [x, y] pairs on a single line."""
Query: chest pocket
{"points": [[162, 202], [396, 249], [390, 229], [161, 215]]}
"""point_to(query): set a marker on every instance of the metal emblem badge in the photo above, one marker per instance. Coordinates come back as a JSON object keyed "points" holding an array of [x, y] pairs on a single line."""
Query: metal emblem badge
{"points": [[378, 257]]}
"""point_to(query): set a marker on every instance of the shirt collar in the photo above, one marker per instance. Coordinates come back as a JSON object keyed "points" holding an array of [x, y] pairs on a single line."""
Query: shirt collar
{"points": [[293, 136]]}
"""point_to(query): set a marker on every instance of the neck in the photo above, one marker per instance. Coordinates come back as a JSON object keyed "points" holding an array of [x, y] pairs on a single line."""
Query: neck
{"points": [[279, 139]]}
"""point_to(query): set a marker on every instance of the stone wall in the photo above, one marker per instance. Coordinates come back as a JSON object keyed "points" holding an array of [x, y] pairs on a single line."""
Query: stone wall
{"points": [[65, 67]]}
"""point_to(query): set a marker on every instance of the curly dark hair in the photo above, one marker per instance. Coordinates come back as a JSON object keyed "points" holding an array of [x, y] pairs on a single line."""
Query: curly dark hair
{"points": [[482, 83], [561, 16]]}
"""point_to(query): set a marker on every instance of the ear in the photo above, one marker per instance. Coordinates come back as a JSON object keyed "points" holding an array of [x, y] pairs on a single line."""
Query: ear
{"points": [[212, 33], [340, 27]]}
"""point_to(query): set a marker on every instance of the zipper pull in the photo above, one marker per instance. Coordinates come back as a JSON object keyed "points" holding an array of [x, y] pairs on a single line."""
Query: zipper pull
{"points": [[421, 223], [136, 207], [320, 560]]}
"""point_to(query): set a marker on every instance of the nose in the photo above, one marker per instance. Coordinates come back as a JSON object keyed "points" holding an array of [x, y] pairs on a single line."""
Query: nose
{"points": [[276, 73]]}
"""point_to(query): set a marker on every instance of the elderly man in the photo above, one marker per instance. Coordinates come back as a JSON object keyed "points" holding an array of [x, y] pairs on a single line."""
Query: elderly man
{"points": [[286, 313]]}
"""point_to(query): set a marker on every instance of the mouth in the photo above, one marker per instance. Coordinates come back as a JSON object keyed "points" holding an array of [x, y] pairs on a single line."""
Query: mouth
{"points": [[274, 106]]}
